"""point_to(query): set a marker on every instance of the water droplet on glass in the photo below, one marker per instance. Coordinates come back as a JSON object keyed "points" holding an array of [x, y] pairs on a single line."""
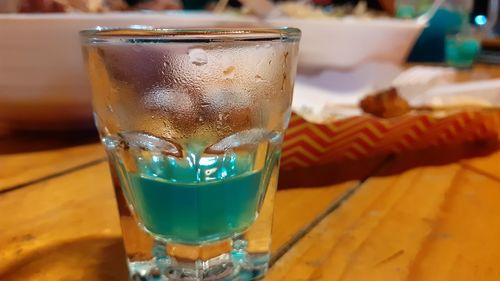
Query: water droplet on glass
{"points": [[259, 78], [229, 72], [198, 56], [283, 82]]}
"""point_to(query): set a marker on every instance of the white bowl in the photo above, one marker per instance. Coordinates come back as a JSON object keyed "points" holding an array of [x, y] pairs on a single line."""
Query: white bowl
{"points": [[43, 84], [348, 42]]}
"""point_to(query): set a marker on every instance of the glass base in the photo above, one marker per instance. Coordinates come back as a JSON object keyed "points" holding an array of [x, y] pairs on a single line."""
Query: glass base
{"points": [[184, 263]]}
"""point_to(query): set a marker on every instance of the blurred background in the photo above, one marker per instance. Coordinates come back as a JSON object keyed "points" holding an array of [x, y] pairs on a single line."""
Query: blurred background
{"points": [[381, 59], [376, 79]]}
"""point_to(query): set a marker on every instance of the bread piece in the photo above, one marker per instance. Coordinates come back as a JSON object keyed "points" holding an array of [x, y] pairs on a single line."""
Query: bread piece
{"points": [[385, 104]]}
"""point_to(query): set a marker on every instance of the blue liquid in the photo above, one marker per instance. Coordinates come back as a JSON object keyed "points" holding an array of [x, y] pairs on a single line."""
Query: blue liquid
{"points": [[194, 213], [461, 52], [195, 199]]}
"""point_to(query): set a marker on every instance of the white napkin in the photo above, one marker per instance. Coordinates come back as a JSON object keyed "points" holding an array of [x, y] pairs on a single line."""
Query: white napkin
{"points": [[334, 93], [484, 93], [319, 97], [416, 81]]}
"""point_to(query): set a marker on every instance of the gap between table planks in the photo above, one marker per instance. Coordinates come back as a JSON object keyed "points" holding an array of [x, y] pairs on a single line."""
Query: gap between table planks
{"points": [[30, 158], [422, 217], [60, 212], [64, 225]]}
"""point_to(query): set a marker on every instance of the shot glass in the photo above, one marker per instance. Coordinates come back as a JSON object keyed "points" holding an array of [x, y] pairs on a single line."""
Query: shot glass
{"points": [[462, 49], [193, 122]]}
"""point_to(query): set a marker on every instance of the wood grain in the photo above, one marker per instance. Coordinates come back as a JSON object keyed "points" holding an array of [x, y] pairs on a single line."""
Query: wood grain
{"points": [[296, 208], [66, 227], [420, 219], [306, 195], [488, 166], [19, 169]]}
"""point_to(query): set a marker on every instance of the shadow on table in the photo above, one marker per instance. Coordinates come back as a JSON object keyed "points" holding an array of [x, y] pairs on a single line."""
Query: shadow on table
{"points": [[438, 156], [330, 174], [383, 165], [89, 259], [19, 142]]}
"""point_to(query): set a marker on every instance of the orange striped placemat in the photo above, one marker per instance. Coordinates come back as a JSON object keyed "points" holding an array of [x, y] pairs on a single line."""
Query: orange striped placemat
{"points": [[354, 138]]}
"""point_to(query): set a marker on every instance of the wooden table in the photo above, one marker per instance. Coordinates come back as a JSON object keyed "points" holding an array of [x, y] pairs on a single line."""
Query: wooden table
{"points": [[431, 215]]}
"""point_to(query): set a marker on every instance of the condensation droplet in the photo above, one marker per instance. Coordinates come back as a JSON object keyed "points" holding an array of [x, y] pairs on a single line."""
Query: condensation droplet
{"points": [[229, 72], [198, 56], [283, 82], [259, 78]]}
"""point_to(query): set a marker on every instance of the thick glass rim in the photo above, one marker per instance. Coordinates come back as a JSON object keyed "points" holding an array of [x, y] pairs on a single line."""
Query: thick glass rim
{"points": [[145, 34]]}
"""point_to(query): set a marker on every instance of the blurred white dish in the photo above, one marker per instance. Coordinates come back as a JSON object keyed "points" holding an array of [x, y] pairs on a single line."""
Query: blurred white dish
{"points": [[43, 83], [348, 42]]}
